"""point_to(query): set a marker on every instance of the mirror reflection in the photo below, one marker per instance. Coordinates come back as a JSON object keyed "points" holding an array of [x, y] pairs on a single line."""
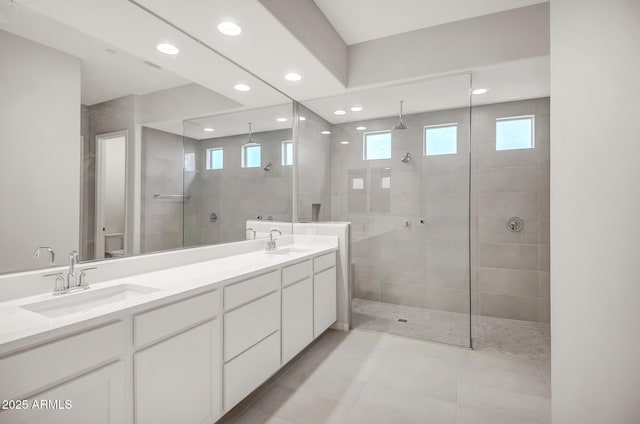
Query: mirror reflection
{"points": [[103, 149]]}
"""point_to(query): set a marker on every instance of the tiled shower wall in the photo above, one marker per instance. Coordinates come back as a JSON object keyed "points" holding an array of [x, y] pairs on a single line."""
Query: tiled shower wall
{"points": [[235, 194], [410, 240]]}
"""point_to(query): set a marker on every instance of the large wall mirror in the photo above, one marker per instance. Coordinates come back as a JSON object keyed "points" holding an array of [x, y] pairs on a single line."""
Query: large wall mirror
{"points": [[105, 141]]}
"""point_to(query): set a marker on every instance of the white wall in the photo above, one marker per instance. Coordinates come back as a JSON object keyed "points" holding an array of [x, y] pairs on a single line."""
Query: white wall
{"points": [[39, 152], [595, 206]]}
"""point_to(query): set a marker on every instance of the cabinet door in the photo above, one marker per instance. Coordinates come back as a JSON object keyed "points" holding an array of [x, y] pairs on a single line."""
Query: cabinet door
{"points": [[324, 300], [178, 380], [97, 398], [297, 318]]}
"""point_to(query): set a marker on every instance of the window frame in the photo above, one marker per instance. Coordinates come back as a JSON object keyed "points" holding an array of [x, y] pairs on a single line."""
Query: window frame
{"points": [[243, 156], [364, 144], [207, 165], [284, 152], [532, 117], [424, 138]]}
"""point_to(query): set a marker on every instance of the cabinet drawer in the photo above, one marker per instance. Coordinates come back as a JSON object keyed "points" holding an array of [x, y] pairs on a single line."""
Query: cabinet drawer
{"points": [[323, 262], [295, 273], [154, 325], [246, 326], [51, 363], [246, 291], [248, 371]]}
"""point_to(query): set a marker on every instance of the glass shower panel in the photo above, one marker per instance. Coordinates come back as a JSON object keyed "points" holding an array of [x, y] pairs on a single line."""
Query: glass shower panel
{"points": [[409, 205], [238, 175]]}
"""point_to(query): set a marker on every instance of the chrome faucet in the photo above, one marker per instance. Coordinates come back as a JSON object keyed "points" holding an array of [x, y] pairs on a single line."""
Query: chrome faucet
{"points": [[71, 280], [271, 243], [250, 230], [52, 254]]}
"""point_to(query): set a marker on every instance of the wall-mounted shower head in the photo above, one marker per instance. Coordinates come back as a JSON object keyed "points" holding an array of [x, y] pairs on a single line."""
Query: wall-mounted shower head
{"points": [[268, 167], [401, 125], [406, 158]]}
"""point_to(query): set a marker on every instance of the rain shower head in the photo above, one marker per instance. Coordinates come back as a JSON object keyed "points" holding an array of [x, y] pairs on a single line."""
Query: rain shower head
{"points": [[268, 167], [407, 156], [401, 125], [250, 134]]}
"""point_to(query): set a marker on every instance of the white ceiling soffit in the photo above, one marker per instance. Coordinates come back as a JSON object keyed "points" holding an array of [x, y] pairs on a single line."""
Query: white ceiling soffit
{"points": [[106, 75], [131, 29], [362, 20], [519, 80], [266, 45], [228, 124]]}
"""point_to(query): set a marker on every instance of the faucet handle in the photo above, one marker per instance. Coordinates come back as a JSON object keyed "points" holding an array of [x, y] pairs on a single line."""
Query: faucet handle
{"points": [[82, 278], [58, 285]]}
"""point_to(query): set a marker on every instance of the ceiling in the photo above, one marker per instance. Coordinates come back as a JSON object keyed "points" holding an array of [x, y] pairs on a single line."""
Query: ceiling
{"points": [[271, 44], [358, 21], [107, 72]]}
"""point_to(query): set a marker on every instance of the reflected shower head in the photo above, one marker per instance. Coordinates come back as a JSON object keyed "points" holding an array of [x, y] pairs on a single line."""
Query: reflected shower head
{"points": [[401, 125], [407, 156], [268, 167]]}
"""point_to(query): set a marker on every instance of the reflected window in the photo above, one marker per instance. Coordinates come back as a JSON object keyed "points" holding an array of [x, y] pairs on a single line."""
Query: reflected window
{"points": [[385, 182], [441, 139], [287, 153], [251, 155], [514, 133], [190, 162], [377, 145], [215, 158], [357, 184]]}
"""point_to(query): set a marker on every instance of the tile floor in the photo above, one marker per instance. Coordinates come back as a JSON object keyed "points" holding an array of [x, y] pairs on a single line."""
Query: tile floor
{"points": [[364, 377]]}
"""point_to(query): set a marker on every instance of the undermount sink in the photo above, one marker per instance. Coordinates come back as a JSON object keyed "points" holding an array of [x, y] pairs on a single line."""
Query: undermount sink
{"points": [[68, 304], [287, 251]]}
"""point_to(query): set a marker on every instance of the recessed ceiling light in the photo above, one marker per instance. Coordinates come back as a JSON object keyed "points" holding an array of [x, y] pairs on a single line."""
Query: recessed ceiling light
{"points": [[209, 129], [344, 142], [302, 118], [229, 28], [479, 91], [292, 76], [325, 132], [339, 112], [356, 108], [361, 128], [167, 48], [242, 87], [281, 119]]}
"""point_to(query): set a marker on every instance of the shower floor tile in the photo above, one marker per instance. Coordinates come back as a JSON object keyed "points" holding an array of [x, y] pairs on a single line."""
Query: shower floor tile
{"points": [[508, 337]]}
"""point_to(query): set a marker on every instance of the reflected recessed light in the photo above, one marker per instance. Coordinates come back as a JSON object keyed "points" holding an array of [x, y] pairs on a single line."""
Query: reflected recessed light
{"points": [[361, 128], [209, 129], [356, 108], [479, 91], [292, 76], [242, 87], [325, 132], [344, 142], [339, 112], [302, 118], [229, 28], [387, 169], [167, 48], [281, 119]]}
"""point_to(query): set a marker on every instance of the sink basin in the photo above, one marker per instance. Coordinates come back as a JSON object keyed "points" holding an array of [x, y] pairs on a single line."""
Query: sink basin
{"points": [[287, 251], [68, 304]]}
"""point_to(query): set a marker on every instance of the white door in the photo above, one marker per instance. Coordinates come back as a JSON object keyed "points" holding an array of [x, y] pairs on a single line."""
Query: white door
{"points": [[111, 177], [96, 398], [178, 380]]}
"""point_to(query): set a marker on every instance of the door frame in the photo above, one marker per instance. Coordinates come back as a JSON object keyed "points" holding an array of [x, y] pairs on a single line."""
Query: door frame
{"points": [[99, 176]]}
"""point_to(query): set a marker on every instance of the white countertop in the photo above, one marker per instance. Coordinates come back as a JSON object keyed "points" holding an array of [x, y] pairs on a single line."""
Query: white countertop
{"points": [[21, 328]]}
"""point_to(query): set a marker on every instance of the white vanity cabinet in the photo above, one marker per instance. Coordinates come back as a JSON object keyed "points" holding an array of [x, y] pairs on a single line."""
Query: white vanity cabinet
{"points": [[177, 370], [325, 307], [89, 369]]}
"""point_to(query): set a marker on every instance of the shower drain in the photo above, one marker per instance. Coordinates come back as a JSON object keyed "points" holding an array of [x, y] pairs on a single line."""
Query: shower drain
{"points": [[402, 320]]}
